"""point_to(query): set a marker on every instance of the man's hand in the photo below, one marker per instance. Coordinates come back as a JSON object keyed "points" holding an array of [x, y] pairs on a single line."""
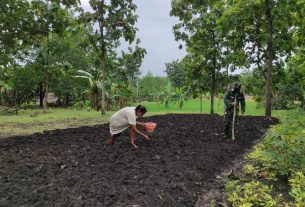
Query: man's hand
{"points": [[141, 123], [147, 138], [234, 104]]}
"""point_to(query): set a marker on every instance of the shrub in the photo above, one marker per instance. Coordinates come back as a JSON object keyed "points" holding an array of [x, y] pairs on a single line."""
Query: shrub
{"points": [[252, 193], [297, 183], [81, 105], [283, 148], [281, 153]]}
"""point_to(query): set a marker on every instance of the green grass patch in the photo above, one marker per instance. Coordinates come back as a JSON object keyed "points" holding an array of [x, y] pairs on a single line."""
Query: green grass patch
{"points": [[34, 120], [193, 106]]}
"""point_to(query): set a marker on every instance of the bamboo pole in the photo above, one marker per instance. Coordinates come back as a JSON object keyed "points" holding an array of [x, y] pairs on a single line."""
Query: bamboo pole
{"points": [[233, 122]]}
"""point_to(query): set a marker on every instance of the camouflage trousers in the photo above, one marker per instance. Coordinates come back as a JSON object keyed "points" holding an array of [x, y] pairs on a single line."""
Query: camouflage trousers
{"points": [[228, 119]]}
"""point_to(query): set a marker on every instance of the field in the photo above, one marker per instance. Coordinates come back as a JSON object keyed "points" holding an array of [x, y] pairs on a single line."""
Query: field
{"points": [[32, 121], [74, 167]]}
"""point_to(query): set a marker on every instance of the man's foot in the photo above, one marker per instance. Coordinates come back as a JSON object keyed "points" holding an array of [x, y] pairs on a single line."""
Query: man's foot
{"points": [[134, 145], [110, 141]]}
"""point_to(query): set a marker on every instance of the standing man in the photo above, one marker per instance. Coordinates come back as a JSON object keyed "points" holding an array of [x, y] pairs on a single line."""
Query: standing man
{"points": [[232, 98], [126, 118]]}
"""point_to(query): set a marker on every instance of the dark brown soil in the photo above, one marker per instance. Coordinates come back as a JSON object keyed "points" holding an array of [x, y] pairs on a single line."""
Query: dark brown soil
{"points": [[74, 167]]}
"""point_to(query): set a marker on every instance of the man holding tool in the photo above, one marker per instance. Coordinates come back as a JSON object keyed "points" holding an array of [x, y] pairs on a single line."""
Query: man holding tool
{"points": [[232, 98]]}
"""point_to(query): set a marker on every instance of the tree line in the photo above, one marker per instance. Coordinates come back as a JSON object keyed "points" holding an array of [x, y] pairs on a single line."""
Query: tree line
{"points": [[265, 37], [56, 46]]}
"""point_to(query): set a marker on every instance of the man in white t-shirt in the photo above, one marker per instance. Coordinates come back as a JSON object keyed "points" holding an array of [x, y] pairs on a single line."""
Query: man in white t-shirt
{"points": [[126, 118]]}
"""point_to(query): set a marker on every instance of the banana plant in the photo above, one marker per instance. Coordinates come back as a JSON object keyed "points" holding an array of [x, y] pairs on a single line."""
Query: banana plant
{"points": [[180, 96], [122, 93], [167, 97], [95, 86]]}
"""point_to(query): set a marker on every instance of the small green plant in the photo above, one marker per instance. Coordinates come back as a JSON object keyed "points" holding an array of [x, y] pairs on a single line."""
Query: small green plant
{"points": [[281, 153], [283, 148], [250, 194], [82, 105], [258, 172], [297, 183]]}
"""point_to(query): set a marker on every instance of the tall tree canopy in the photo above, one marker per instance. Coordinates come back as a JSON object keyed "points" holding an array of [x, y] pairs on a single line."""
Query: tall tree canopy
{"points": [[263, 30], [16, 25], [116, 19], [198, 27]]}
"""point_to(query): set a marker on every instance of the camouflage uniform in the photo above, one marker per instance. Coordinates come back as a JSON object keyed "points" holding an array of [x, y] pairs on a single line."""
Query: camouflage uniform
{"points": [[229, 98]]}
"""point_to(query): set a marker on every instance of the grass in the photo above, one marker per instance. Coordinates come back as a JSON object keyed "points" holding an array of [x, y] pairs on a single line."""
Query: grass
{"points": [[33, 120], [193, 106]]}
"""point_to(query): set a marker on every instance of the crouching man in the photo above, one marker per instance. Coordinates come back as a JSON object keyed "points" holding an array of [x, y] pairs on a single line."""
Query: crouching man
{"points": [[126, 118]]}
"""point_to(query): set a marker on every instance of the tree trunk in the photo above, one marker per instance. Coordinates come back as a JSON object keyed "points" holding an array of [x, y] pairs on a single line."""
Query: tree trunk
{"points": [[2, 99], [212, 91], [103, 56], [45, 99], [59, 102], [103, 80], [213, 75], [41, 96], [213, 82], [84, 99], [201, 103], [67, 101], [270, 60]]}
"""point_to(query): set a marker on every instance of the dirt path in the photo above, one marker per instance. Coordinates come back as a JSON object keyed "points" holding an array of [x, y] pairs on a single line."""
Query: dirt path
{"points": [[74, 167]]}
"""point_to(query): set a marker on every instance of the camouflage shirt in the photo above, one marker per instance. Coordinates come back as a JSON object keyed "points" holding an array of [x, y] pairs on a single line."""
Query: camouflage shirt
{"points": [[229, 98]]}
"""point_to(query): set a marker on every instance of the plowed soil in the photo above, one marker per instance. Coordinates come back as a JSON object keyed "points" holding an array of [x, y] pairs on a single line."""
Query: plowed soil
{"points": [[74, 167]]}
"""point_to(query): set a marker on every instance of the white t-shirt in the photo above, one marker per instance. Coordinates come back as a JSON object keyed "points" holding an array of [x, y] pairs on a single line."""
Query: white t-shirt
{"points": [[122, 119]]}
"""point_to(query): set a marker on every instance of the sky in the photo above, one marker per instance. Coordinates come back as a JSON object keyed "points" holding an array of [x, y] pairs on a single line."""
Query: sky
{"points": [[156, 34]]}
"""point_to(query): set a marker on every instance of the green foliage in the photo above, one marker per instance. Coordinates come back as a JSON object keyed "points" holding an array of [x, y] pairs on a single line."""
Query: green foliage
{"points": [[199, 29], [297, 192], [129, 64], [280, 154], [250, 194], [95, 85], [121, 94], [82, 105], [288, 85], [116, 19], [283, 147], [151, 87], [16, 29], [266, 44], [175, 73]]}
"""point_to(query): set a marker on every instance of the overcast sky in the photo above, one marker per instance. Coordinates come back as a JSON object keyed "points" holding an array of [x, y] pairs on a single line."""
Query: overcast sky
{"points": [[156, 34]]}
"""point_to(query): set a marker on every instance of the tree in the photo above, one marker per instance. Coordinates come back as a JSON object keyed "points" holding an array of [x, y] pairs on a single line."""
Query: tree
{"points": [[52, 18], [131, 62], [116, 19], [128, 67], [198, 27], [262, 29], [196, 78], [17, 23], [151, 87], [296, 77], [175, 73]]}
